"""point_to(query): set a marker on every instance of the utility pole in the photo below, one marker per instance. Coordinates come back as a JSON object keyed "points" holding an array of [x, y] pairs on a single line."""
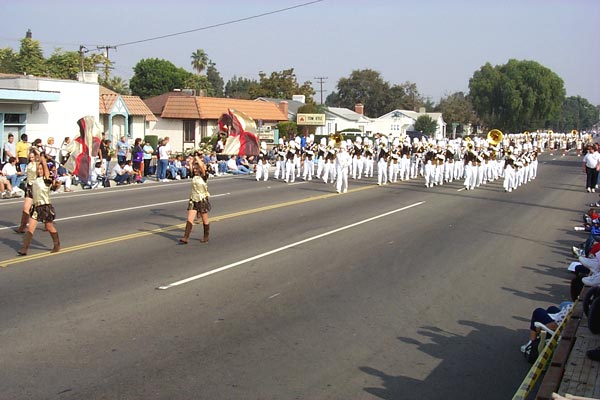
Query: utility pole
{"points": [[320, 80], [107, 62]]}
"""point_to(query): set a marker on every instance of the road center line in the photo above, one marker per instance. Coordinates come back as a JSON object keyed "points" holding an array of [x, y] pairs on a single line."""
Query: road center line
{"points": [[116, 239], [279, 249]]}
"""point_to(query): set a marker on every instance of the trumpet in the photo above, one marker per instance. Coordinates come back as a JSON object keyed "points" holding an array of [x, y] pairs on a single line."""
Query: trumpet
{"points": [[494, 137]]}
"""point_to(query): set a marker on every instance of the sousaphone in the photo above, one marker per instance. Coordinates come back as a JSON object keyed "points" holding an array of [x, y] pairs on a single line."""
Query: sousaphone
{"points": [[494, 137]]}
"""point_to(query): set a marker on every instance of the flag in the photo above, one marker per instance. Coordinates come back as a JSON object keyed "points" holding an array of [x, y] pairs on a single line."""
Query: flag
{"points": [[83, 148], [240, 134]]}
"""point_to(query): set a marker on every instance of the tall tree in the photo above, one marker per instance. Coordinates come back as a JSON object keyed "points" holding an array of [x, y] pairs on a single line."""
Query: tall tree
{"points": [[199, 61], [412, 99], [30, 59], [214, 77], [67, 64], [239, 88], [517, 96], [154, 76], [281, 85], [577, 113], [456, 108], [362, 86]]}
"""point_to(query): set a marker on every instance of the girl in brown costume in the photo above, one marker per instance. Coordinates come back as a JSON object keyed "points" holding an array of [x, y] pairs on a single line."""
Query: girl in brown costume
{"points": [[198, 202], [41, 210], [31, 174]]}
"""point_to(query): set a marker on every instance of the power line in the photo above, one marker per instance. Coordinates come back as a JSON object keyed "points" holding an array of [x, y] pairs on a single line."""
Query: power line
{"points": [[320, 80], [220, 24]]}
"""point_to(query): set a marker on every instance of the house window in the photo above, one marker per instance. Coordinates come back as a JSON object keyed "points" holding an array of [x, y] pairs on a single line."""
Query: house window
{"points": [[189, 131]]}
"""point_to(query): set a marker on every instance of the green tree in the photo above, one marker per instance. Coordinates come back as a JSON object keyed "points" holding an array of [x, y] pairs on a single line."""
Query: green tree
{"points": [[30, 59], [214, 78], [412, 99], [362, 86], [199, 61], [154, 76], [517, 96], [456, 108], [200, 84], [426, 125], [7, 60], [239, 88], [281, 85], [576, 113], [116, 84]]}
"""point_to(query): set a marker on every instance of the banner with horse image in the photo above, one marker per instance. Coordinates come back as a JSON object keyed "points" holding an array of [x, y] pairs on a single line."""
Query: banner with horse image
{"points": [[239, 134]]}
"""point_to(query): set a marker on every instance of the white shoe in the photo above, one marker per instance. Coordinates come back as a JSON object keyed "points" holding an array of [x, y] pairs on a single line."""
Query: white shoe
{"points": [[579, 228], [578, 252], [178, 177], [525, 346], [592, 280]]}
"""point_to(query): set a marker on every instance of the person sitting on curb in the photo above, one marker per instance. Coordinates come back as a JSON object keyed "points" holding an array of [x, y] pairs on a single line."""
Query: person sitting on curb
{"points": [[9, 170], [233, 168], [63, 176], [177, 169], [551, 317], [594, 237], [119, 175]]}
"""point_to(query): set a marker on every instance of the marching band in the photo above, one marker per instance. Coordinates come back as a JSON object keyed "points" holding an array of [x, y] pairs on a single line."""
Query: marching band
{"points": [[475, 161]]}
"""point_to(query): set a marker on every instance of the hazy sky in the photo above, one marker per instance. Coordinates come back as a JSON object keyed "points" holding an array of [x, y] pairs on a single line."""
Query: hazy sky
{"points": [[437, 44]]}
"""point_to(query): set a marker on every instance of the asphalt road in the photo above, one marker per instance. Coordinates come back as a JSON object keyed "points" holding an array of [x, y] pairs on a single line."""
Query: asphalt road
{"points": [[393, 292]]}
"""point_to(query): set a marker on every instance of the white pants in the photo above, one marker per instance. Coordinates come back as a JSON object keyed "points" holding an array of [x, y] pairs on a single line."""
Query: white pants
{"points": [[308, 169], [342, 180], [279, 168], [382, 172], [262, 171]]}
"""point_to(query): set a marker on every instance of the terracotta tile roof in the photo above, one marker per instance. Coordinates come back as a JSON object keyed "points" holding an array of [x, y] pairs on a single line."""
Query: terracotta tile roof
{"points": [[157, 104], [213, 108], [181, 107], [134, 104]]}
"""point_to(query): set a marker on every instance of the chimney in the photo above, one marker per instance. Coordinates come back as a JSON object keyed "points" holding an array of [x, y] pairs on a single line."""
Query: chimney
{"points": [[422, 110], [359, 108], [283, 106]]}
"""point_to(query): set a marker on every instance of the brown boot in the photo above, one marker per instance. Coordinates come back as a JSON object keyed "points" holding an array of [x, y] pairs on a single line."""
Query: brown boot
{"points": [[26, 243], [24, 219], [206, 230], [186, 235], [56, 241]]}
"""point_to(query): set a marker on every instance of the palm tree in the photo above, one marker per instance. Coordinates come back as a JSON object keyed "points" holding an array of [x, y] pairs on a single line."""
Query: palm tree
{"points": [[199, 60]]}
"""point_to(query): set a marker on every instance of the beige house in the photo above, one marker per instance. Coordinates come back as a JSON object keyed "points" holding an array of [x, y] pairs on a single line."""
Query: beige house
{"points": [[122, 115], [187, 119]]}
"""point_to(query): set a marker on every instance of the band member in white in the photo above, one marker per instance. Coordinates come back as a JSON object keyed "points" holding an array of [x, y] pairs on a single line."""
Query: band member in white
{"points": [[343, 162], [262, 166]]}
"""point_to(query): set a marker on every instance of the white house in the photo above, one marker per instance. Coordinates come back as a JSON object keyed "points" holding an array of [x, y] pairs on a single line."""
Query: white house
{"points": [[399, 122], [44, 107], [337, 119]]}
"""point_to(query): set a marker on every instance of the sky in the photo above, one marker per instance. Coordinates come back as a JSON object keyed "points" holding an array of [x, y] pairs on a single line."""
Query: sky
{"points": [[437, 44]]}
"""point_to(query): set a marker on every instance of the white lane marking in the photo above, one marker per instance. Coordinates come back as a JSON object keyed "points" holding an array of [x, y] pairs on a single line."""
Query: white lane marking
{"points": [[268, 253], [275, 295], [460, 190], [119, 210]]}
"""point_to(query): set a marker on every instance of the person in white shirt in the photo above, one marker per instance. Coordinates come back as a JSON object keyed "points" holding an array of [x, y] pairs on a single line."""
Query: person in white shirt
{"points": [[590, 167], [10, 147], [164, 152], [10, 172]]}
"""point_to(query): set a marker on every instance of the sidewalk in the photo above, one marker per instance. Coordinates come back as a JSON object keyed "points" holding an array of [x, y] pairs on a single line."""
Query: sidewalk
{"points": [[570, 371]]}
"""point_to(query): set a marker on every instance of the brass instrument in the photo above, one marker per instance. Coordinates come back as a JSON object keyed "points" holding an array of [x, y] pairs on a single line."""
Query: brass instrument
{"points": [[494, 137], [336, 140], [574, 132]]}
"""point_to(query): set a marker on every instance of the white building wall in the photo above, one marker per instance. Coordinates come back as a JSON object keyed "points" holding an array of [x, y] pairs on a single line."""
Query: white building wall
{"points": [[59, 119], [173, 128]]}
